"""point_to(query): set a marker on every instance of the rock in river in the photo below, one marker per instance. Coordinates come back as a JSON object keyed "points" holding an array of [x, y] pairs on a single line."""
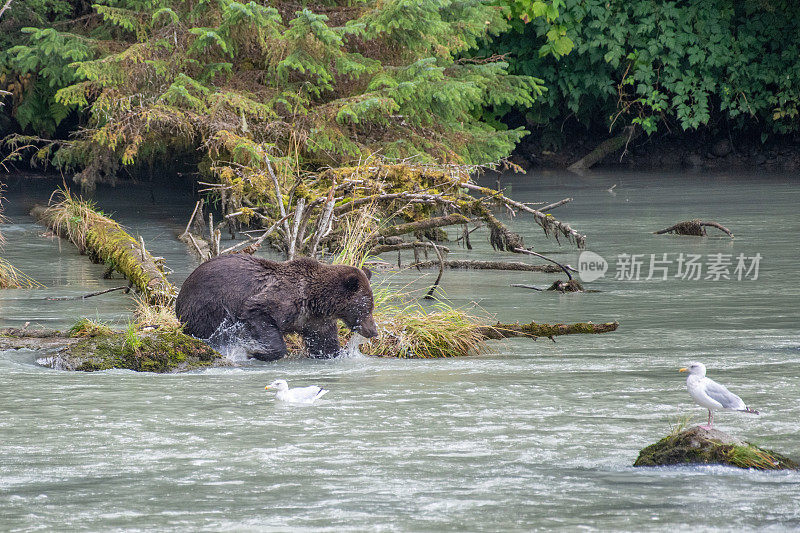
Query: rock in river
{"points": [[703, 446], [158, 351]]}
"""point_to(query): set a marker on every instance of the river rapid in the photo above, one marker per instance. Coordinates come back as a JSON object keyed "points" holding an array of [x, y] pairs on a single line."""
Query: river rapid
{"points": [[529, 436]]}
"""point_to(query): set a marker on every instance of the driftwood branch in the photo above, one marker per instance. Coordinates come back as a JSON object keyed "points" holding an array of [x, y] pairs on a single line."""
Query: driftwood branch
{"points": [[489, 265], [83, 297], [8, 3], [549, 225], [39, 333], [694, 227], [531, 252], [524, 286], [191, 219], [534, 330], [550, 207], [256, 242], [500, 237], [429, 296]]}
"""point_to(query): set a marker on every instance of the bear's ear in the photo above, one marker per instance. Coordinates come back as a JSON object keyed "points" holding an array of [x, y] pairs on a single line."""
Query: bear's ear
{"points": [[367, 272], [351, 283]]}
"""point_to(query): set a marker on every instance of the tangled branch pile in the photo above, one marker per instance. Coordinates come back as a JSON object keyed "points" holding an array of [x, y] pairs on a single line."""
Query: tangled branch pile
{"points": [[403, 198]]}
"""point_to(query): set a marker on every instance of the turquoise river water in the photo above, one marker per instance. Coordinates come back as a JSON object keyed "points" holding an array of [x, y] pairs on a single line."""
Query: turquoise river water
{"points": [[529, 436]]}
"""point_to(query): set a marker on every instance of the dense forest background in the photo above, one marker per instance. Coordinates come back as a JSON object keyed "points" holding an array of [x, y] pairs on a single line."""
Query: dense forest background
{"points": [[123, 87]]}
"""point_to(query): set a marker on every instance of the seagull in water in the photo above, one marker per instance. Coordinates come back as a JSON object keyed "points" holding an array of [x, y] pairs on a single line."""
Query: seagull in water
{"points": [[710, 394], [297, 395]]}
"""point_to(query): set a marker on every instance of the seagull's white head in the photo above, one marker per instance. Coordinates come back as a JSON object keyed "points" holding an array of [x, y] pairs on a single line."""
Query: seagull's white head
{"points": [[279, 384], [695, 369]]}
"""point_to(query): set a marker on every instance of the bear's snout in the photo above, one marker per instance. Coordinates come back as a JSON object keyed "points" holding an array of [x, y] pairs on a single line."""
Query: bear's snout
{"points": [[367, 328]]}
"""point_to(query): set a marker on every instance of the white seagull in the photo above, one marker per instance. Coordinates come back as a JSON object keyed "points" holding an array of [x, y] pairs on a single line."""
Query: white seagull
{"points": [[710, 394], [306, 395]]}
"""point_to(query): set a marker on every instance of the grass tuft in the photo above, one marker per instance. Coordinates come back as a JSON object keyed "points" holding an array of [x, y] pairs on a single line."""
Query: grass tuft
{"points": [[13, 278], [155, 315], [679, 423], [409, 330], [356, 242], [86, 327]]}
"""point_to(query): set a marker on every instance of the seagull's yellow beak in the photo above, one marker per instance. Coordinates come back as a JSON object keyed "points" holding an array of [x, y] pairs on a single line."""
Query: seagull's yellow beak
{"points": [[265, 388], [683, 370]]}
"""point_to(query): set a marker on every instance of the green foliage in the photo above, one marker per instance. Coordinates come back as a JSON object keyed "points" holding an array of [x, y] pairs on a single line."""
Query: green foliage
{"points": [[47, 56], [330, 84], [684, 65]]}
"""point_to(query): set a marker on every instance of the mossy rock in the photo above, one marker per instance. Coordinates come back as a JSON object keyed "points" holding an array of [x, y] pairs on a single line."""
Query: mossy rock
{"points": [[702, 446], [159, 351]]}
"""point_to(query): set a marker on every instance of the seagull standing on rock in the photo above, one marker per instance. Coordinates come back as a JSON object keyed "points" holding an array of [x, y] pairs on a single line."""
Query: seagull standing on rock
{"points": [[710, 394], [307, 395]]}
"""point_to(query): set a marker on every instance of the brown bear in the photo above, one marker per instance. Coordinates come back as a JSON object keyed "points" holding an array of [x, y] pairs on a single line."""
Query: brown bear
{"points": [[270, 299]]}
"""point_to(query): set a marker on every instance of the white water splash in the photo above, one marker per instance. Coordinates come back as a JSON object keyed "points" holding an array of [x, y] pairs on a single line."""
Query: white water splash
{"points": [[229, 341], [350, 350]]}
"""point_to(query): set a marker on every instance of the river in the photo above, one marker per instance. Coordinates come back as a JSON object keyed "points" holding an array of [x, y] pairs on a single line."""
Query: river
{"points": [[529, 436]]}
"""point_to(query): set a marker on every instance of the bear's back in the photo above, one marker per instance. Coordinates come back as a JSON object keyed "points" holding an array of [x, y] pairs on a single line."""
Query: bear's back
{"points": [[219, 288]]}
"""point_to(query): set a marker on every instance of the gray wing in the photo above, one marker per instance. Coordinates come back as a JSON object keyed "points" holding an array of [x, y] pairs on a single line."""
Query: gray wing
{"points": [[721, 394]]}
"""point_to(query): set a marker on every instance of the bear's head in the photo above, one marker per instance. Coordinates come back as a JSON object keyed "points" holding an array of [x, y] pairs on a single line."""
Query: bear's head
{"points": [[348, 296]]}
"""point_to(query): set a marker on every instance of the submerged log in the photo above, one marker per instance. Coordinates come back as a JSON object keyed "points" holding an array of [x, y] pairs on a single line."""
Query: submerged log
{"points": [[694, 227], [489, 265], [534, 330], [104, 241], [698, 445], [35, 338], [573, 285]]}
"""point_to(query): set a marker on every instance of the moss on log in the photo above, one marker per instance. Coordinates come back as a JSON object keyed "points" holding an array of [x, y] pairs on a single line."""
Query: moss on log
{"points": [[422, 225], [104, 241], [159, 351], [534, 330], [702, 446]]}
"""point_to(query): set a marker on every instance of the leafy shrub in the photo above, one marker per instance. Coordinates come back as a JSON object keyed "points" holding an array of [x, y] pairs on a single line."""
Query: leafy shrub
{"points": [[664, 65]]}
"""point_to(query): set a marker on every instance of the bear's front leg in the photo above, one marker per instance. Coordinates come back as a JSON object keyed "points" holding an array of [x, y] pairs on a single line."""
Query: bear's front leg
{"points": [[270, 345], [322, 339]]}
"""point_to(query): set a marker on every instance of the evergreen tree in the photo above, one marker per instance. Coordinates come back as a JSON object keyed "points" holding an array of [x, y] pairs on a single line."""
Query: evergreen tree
{"points": [[324, 85]]}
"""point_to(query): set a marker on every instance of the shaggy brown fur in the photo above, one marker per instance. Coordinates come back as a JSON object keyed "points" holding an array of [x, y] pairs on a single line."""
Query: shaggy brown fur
{"points": [[272, 299]]}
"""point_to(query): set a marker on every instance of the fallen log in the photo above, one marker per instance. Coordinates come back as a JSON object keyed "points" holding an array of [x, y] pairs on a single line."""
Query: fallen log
{"points": [[100, 349], [534, 330], [104, 241], [422, 225], [489, 265], [694, 227], [609, 146]]}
